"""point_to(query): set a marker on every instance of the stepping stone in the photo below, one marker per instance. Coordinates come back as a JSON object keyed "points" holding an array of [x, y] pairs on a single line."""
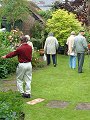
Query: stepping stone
{"points": [[83, 106], [35, 101], [13, 88], [57, 104]]}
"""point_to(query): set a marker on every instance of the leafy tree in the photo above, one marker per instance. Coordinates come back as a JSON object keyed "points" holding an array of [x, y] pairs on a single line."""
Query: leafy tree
{"points": [[38, 33], [14, 10], [77, 7], [61, 24]]}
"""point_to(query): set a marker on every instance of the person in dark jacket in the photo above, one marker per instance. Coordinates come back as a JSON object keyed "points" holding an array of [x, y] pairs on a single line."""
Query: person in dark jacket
{"points": [[24, 68]]}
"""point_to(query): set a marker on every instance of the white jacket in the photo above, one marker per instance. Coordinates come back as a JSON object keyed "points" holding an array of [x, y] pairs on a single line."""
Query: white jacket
{"points": [[51, 45]]}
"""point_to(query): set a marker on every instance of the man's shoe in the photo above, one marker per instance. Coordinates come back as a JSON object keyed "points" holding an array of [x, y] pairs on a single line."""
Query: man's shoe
{"points": [[54, 65], [26, 95], [80, 72]]}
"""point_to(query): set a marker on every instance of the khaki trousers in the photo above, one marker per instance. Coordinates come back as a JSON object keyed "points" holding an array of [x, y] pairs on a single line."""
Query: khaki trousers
{"points": [[24, 75]]}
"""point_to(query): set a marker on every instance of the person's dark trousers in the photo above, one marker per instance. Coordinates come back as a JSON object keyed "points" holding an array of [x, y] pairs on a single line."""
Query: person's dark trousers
{"points": [[54, 59], [80, 57], [48, 59]]}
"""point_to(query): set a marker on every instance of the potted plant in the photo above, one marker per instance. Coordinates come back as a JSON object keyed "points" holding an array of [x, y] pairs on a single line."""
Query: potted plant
{"points": [[41, 51]]}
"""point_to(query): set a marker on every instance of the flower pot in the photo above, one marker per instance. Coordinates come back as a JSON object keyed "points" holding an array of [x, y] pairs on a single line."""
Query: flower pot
{"points": [[89, 46], [41, 51]]}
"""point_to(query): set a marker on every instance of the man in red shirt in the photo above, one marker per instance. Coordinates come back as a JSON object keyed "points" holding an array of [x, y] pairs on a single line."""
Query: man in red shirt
{"points": [[24, 68]]}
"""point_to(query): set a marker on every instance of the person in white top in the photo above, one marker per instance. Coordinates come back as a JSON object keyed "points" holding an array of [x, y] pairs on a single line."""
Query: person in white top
{"points": [[29, 42], [71, 53], [50, 47]]}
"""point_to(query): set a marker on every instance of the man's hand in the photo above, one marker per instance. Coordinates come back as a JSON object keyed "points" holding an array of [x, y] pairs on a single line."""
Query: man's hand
{"points": [[3, 57]]}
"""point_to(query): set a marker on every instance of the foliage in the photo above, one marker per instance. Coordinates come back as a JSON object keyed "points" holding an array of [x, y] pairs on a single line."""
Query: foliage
{"points": [[38, 37], [61, 24], [37, 60], [77, 7], [45, 14], [14, 38], [7, 66], [3, 71], [37, 43], [10, 105], [4, 39], [10, 39], [36, 30], [87, 35], [14, 10]]}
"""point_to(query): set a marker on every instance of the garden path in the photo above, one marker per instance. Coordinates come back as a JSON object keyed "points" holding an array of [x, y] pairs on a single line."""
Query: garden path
{"points": [[8, 85]]}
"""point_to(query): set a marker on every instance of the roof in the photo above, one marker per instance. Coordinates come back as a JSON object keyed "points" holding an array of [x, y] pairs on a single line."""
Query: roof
{"points": [[34, 10]]}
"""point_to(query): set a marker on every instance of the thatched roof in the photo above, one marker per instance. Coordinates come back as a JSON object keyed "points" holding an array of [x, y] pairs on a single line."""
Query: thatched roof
{"points": [[34, 10], [30, 21]]}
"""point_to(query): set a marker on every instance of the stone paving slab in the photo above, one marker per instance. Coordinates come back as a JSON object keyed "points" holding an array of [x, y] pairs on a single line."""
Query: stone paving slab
{"points": [[35, 101], [57, 104], [83, 106], [8, 85], [4, 89]]}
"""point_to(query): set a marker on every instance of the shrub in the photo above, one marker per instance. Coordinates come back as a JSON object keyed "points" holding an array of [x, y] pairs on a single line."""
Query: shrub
{"points": [[37, 60], [3, 71], [61, 24], [87, 35], [10, 39], [4, 39], [7, 66], [37, 33], [11, 105]]}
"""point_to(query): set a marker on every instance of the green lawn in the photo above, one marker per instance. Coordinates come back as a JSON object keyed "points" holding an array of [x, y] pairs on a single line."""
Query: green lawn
{"points": [[59, 83]]}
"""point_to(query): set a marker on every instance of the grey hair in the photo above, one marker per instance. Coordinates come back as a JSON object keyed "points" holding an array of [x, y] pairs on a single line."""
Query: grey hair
{"points": [[28, 37]]}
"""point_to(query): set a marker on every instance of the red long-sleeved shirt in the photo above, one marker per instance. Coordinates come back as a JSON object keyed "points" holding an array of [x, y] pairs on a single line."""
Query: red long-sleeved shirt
{"points": [[24, 53]]}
